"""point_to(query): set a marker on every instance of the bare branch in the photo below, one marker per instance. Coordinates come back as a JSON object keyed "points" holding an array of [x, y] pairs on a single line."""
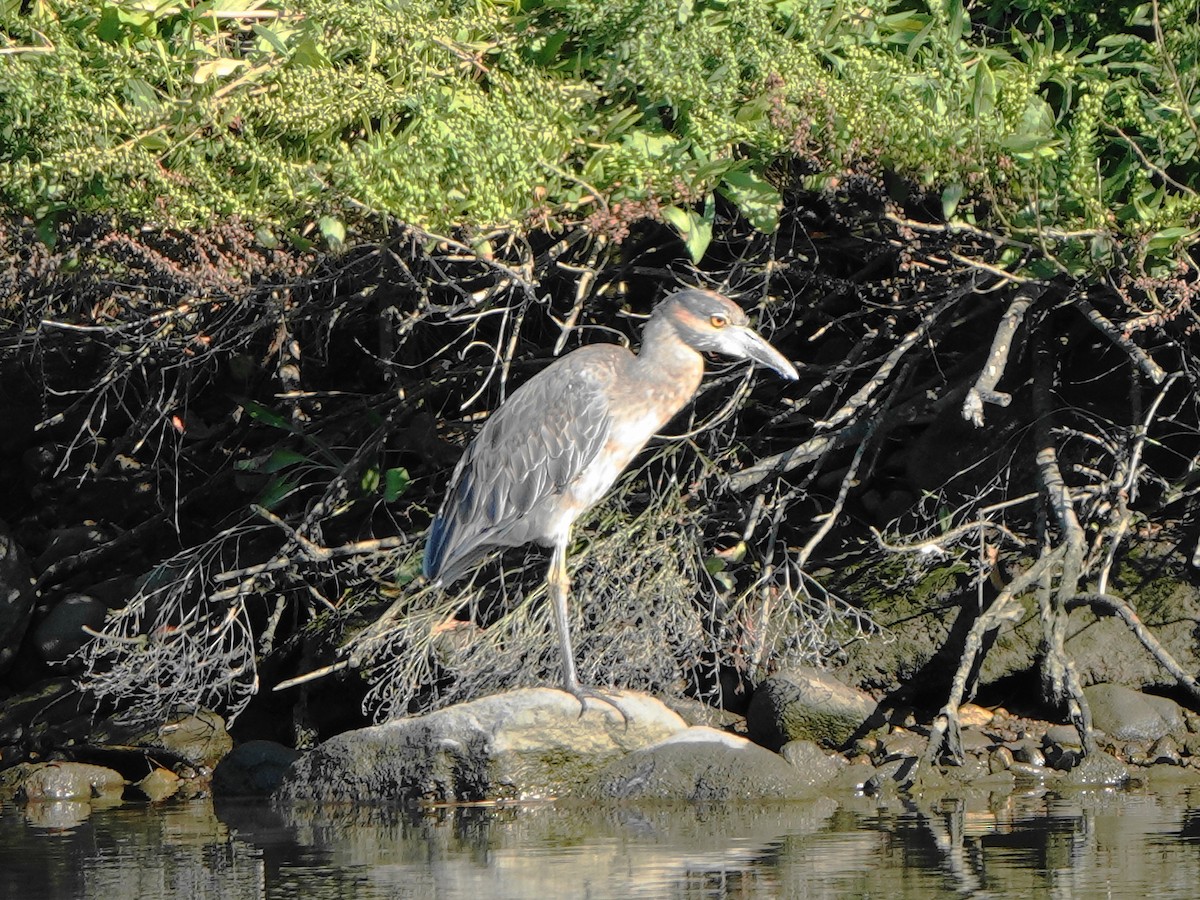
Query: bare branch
{"points": [[1141, 359], [1145, 635], [984, 389]]}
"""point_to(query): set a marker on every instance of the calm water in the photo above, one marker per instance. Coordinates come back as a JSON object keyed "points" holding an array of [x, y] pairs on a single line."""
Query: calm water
{"points": [[1138, 843]]}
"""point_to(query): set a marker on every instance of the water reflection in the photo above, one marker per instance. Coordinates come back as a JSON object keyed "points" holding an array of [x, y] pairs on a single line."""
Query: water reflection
{"points": [[1093, 844]]}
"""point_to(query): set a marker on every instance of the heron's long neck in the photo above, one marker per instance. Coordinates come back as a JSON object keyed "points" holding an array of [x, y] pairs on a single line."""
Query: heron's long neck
{"points": [[667, 368]]}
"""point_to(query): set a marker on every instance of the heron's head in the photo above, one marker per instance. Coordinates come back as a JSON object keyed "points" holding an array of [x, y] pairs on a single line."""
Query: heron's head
{"points": [[708, 322]]}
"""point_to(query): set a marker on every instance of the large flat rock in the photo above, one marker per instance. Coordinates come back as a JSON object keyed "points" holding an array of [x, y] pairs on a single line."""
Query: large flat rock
{"points": [[701, 765], [528, 744]]}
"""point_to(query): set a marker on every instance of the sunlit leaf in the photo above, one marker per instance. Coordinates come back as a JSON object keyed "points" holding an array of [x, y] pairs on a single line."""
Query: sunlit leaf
{"points": [[757, 200], [395, 483], [695, 230]]}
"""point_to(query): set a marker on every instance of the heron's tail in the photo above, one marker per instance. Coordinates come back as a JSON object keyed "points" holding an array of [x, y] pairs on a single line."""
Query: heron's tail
{"points": [[435, 549]]}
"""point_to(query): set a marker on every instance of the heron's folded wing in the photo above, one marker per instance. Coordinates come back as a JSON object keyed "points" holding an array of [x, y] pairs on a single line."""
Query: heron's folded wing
{"points": [[533, 446]]}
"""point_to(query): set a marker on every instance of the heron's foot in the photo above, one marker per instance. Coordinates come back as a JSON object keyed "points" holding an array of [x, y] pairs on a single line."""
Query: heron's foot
{"points": [[583, 694]]}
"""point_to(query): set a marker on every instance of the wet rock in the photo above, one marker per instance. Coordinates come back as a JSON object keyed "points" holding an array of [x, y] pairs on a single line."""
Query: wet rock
{"points": [[199, 740], [1129, 715], [1029, 771], [806, 704], [856, 776], [1000, 760], [1062, 747], [159, 785], [902, 744], [526, 744], [1135, 753], [892, 776], [1095, 770], [864, 746], [16, 597], [255, 768], [1189, 745], [971, 771], [43, 782], [61, 632], [1026, 752], [46, 715], [1164, 752], [814, 765], [976, 742], [1063, 736], [972, 716], [699, 764]]}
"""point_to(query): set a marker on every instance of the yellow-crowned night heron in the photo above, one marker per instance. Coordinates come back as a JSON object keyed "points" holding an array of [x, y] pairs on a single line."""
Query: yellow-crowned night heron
{"points": [[557, 444]]}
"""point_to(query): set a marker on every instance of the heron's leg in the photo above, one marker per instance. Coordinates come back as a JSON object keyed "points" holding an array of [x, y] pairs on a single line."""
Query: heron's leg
{"points": [[559, 585]]}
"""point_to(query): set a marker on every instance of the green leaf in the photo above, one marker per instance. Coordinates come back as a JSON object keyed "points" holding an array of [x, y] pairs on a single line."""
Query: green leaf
{"points": [[395, 483], [220, 67], [985, 90], [950, 197], [1168, 237], [276, 491], [266, 416], [370, 480], [695, 230], [282, 459], [757, 200], [1102, 249], [333, 229], [277, 461], [269, 37]]}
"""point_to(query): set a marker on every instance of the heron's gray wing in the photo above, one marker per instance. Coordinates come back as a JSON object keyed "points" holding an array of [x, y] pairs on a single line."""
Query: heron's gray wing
{"points": [[538, 441]]}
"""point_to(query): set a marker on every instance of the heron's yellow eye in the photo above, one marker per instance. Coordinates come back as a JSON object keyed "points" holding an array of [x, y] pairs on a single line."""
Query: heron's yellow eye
{"points": [[718, 321]]}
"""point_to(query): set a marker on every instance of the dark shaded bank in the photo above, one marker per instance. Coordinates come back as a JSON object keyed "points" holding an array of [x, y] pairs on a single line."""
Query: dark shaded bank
{"points": [[221, 459]]}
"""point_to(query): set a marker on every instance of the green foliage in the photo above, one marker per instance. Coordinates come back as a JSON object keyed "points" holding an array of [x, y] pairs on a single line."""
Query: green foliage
{"points": [[1072, 128]]}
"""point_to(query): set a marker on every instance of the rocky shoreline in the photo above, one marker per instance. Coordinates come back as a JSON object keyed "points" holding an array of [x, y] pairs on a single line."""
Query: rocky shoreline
{"points": [[805, 735]]}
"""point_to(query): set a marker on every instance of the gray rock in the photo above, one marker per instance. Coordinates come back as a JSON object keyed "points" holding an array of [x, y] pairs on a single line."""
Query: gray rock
{"points": [[902, 744], [892, 776], [16, 597], [1030, 771], [70, 781], [976, 742], [699, 764], [61, 632], [1129, 715], [1066, 736], [1095, 770], [1102, 648], [67, 542], [1165, 752], [814, 765], [1027, 752], [199, 740], [806, 704], [1000, 760], [253, 769], [527, 744]]}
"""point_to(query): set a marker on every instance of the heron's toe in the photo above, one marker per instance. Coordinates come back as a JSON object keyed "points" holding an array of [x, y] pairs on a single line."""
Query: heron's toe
{"points": [[583, 694]]}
